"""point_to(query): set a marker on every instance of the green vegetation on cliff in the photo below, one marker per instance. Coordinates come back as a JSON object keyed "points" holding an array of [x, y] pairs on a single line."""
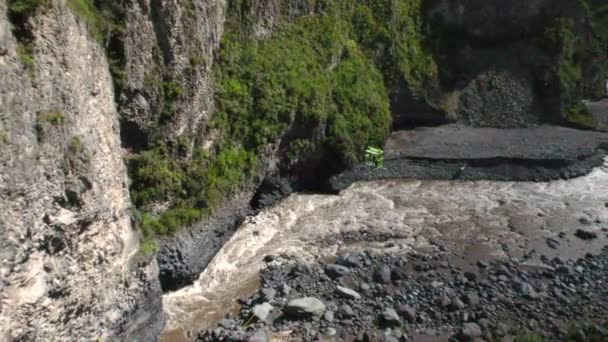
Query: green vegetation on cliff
{"points": [[319, 85], [573, 55]]}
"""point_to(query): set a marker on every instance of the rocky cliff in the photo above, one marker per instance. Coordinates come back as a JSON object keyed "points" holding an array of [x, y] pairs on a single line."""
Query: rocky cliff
{"points": [[70, 268], [130, 129]]}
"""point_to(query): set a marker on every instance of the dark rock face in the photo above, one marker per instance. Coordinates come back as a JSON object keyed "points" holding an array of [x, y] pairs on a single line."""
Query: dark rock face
{"points": [[585, 234], [185, 255], [498, 62], [271, 190]]}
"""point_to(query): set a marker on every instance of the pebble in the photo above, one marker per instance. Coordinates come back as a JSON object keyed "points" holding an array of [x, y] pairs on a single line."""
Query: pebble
{"points": [[528, 291], [470, 332], [336, 271], [305, 307], [261, 335], [268, 294], [585, 234], [261, 311], [436, 298], [390, 317], [382, 274], [328, 316], [407, 312], [346, 311], [347, 293], [349, 260], [553, 243], [471, 298]]}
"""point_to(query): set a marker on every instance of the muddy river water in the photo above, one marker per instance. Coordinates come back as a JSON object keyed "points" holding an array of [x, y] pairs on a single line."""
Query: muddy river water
{"points": [[473, 220]]}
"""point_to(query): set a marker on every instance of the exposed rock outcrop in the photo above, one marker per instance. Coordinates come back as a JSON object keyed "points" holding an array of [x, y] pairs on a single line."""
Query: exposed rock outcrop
{"points": [[513, 64], [168, 55], [70, 269]]}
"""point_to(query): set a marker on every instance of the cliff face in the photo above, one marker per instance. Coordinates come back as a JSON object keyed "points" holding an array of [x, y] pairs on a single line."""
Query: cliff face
{"points": [[168, 49], [70, 269], [203, 100], [519, 63]]}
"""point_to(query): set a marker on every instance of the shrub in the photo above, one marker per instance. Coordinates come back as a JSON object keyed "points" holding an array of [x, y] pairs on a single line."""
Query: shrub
{"points": [[75, 145], [26, 8], [44, 119]]}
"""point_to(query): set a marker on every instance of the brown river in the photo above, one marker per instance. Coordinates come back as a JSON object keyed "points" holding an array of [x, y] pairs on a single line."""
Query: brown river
{"points": [[474, 219]]}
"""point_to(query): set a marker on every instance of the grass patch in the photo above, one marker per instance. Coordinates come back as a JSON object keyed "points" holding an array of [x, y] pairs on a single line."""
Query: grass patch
{"points": [[4, 137], [573, 57], [193, 188], [46, 119], [75, 145]]}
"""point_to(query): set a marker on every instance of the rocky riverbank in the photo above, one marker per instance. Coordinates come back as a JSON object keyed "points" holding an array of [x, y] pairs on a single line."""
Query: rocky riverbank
{"points": [[423, 297], [458, 152]]}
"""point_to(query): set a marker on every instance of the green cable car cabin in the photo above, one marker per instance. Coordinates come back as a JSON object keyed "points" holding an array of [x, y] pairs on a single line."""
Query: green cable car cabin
{"points": [[374, 157]]}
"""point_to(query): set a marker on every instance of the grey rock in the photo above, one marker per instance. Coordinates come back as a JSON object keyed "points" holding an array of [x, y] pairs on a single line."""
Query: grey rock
{"points": [[365, 287], [444, 301], [584, 220], [305, 307], [585, 234], [346, 311], [382, 274], [347, 293], [261, 311], [456, 305], [470, 332], [390, 317], [470, 276], [527, 291], [260, 335], [328, 316], [336, 271], [330, 332], [471, 298], [227, 323], [482, 264], [553, 243], [349, 260], [436, 284], [268, 294], [484, 323], [407, 312], [563, 269], [285, 289]]}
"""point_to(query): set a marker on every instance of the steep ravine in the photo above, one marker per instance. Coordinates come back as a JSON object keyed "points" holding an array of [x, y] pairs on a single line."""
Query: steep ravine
{"points": [[135, 136]]}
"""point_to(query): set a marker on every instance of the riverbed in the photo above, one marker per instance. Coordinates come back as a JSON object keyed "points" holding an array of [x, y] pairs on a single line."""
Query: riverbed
{"points": [[473, 220]]}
